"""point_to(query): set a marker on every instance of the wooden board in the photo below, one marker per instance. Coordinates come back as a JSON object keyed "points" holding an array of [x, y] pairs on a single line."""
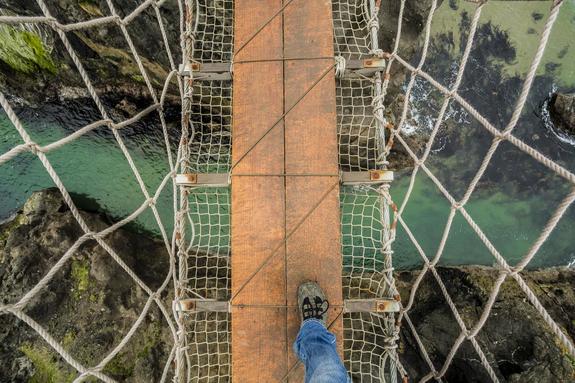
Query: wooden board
{"points": [[265, 270], [258, 334], [313, 252]]}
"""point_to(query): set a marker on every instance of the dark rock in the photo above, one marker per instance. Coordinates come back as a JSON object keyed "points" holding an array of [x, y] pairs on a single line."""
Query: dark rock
{"points": [[562, 110], [516, 340], [91, 303], [102, 50]]}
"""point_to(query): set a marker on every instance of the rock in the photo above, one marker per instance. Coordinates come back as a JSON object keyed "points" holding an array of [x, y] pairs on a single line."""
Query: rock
{"points": [[35, 65], [516, 341], [562, 110], [91, 303]]}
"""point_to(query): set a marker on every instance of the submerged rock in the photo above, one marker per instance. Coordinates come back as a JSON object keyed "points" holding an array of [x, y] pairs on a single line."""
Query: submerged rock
{"points": [[90, 304], [562, 110]]}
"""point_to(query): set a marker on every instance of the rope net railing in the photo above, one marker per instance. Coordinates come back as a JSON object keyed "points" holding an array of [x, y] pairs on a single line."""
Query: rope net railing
{"points": [[503, 269], [149, 198], [203, 220], [369, 341]]}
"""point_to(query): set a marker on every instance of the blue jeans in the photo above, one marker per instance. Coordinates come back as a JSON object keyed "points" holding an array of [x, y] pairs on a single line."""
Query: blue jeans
{"points": [[315, 347]]}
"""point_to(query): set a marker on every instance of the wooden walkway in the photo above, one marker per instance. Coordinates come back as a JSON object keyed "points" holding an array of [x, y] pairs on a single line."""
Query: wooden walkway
{"points": [[278, 204]]}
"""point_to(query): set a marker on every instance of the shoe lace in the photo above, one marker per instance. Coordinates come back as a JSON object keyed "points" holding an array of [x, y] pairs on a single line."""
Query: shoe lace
{"points": [[315, 309]]}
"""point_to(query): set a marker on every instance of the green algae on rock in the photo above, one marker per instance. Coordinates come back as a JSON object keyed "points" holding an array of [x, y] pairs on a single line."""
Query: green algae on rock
{"points": [[88, 307], [24, 50]]}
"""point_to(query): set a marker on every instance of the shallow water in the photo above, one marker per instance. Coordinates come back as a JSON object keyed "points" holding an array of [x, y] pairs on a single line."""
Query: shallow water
{"points": [[516, 196], [92, 168], [513, 201]]}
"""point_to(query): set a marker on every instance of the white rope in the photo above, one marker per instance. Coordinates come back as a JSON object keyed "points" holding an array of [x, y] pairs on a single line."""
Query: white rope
{"points": [[29, 145], [506, 134]]}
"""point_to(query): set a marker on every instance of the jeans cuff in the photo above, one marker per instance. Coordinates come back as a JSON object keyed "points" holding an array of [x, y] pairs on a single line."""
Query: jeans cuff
{"points": [[311, 320]]}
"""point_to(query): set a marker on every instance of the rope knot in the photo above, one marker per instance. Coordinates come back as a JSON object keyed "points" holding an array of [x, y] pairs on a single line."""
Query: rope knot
{"points": [[512, 271], [377, 52], [34, 147], [90, 235], [340, 64], [502, 136], [119, 20]]}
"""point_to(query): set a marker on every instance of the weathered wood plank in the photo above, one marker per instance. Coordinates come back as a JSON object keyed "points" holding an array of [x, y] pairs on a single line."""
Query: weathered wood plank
{"points": [[258, 334], [313, 252], [266, 209]]}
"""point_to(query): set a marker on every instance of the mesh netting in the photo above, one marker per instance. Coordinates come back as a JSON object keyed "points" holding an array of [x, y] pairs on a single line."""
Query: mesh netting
{"points": [[208, 347], [362, 241], [369, 339], [209, 246], [204, 216], [210, 128], [351, 29], [356, 128], [213, 30]]}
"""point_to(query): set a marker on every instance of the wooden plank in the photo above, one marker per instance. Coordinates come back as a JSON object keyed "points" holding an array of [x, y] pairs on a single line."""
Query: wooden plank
{"points": [[257, 205], [266, 209], [249, 16], [313, 252]]}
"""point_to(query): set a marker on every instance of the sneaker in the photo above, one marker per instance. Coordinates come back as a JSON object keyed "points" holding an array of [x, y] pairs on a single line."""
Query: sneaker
{"points": [[312, 303]]}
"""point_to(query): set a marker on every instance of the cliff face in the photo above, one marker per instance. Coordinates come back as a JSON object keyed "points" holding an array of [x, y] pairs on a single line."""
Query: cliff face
{"points": [[35, 66], [89, 306]]}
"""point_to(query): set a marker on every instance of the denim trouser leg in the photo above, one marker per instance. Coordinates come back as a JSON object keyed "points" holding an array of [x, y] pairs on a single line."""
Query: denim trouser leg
{"points": [[315, 346]]}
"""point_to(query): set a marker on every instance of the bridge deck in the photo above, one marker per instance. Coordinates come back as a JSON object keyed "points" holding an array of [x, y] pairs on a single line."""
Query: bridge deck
{"points": [[267, 268]]}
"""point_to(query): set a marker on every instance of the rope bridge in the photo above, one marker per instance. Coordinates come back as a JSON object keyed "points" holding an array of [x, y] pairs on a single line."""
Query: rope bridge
{"points": [[200, 245]]}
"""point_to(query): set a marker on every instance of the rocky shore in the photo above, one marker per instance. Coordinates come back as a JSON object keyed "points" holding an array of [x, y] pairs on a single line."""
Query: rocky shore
{"points": [[88, 307], [516, 341], [35, 67], [91, 304]]}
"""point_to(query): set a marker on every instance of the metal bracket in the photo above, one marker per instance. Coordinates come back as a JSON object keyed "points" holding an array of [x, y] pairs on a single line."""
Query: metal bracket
{"points": [[369, 177], [207, 71], [203, 179], [371, 306], [196, 305], [223, 179], [223, 71], [365, 67]]}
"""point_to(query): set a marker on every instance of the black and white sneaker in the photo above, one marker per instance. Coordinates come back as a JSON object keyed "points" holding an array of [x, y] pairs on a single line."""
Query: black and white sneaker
{"points": [[312, 303]]}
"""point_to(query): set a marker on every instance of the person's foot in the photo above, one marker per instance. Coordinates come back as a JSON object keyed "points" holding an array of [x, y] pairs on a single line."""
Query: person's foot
{"points": [[311, 302]]}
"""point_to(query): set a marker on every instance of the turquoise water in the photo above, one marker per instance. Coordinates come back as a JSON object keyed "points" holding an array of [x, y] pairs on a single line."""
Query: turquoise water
{"points": [[513, 201], [92, 168]]}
